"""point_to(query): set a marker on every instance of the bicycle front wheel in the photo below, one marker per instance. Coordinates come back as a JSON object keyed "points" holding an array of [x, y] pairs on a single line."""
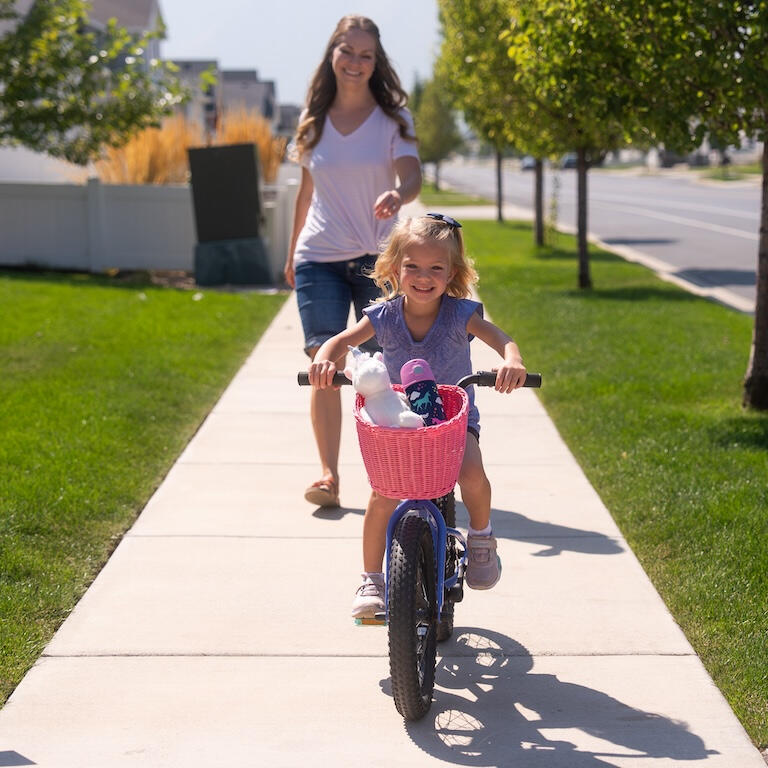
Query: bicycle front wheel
{"points": [[412, 617]]}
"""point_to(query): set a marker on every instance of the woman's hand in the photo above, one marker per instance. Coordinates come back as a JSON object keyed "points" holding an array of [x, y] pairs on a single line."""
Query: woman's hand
{"points": [[289, 273], [387, 204]]}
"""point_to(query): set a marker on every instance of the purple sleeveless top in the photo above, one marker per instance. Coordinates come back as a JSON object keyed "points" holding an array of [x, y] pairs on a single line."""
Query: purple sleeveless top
{"points": [[445, 347]]}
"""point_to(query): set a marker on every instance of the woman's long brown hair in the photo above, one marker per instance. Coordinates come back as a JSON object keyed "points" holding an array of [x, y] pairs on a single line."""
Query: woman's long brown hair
{"points": [[384, 84]]}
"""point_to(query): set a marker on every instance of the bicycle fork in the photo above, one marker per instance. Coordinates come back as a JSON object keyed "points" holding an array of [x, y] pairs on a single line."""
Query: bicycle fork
{"points": [[428, 512]]}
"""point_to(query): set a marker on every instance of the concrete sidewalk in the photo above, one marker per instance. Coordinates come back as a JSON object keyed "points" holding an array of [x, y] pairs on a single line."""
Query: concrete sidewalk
{"points": [[218, 634]]}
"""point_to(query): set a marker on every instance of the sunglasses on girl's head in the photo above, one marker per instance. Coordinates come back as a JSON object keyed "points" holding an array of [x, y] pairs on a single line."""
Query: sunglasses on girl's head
{"points": [[449, 220]]}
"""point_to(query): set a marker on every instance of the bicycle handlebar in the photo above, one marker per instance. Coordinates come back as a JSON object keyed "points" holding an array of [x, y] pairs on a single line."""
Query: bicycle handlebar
{"points": [[481, 378], [488, 379]]}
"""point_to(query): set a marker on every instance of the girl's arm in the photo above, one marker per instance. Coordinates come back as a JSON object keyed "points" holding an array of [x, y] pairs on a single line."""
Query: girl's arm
{"points": [[408, 171], [303, 199], [323, 366], [511, 374]]}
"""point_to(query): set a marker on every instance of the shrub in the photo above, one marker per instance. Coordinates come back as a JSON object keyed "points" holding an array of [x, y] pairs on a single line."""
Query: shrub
{"points": [[159, 155]]}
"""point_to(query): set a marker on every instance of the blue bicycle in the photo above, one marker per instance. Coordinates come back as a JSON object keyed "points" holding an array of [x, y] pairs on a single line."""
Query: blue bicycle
{"points": [[425, 553]]}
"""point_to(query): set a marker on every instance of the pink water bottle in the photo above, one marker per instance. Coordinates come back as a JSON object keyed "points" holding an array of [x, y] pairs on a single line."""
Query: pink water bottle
{"points": [[421, 389]]}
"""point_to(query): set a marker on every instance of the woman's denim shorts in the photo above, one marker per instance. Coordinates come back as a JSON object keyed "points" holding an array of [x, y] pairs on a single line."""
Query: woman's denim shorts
{"points": [[325, 290]]}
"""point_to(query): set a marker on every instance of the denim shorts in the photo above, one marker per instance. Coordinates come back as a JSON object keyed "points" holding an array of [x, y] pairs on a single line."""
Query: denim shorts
{"points": [[326, 289]]}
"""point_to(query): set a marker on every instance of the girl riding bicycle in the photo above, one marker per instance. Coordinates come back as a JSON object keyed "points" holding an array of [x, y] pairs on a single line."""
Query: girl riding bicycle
{"points": [[426, 278]]}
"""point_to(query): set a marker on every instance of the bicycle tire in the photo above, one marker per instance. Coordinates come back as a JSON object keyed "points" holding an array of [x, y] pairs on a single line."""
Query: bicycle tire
{"points": [[412, 617], [447, 506]]}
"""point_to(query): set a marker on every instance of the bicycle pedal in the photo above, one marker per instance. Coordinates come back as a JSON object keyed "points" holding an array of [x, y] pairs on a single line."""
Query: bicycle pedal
{"points": [[376, 621]]}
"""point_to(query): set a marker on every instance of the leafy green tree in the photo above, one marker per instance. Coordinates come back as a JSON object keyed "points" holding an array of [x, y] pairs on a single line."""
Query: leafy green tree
{"points": [[474, 62], [576, 59], [69, 92], [436, 126], [713, 70]]}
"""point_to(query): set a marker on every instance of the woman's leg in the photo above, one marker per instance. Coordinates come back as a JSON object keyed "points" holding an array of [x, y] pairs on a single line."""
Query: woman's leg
{"points": [[324, 298], [325, 411]]}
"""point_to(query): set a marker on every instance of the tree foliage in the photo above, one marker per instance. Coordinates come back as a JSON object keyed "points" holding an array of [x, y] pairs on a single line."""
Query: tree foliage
{"points": [[577, 60], [474, 64], [69, 91], [436, 125]]}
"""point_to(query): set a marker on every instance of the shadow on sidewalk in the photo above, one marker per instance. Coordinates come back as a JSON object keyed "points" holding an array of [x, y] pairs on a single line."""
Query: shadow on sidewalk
{"points": [[491, 709], [554, 538], [336, 513]]}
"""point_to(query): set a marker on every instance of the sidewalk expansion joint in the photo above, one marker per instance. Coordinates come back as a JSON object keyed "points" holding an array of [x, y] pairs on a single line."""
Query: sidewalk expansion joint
{"points": [[237, 536], [483, 652]]}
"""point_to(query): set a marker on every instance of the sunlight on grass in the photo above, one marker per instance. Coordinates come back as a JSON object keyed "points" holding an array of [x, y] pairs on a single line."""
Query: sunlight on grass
{"points": [[103, 385], [644, 383]]}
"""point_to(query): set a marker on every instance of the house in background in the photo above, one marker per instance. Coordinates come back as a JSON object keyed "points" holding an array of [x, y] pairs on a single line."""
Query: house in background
{"points": [[137, 16], [205, 103], [241, 88], [289, 119]]}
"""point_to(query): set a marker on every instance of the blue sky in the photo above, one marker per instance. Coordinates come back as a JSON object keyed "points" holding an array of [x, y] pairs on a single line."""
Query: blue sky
{"points": [[284, 39]]}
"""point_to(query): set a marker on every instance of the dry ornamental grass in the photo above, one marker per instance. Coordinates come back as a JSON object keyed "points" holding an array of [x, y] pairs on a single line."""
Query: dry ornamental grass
{"points": [[159, 155]]}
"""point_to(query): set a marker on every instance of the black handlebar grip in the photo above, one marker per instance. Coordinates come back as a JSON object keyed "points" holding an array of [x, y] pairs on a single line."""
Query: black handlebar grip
{"points": [[339, 379], [488, 379]]}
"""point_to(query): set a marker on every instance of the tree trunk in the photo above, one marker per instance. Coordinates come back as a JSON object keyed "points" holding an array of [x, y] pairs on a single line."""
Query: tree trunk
{"points": [[756, 380], [538, 196], [585, 281], [437, 177], [499, 214]]}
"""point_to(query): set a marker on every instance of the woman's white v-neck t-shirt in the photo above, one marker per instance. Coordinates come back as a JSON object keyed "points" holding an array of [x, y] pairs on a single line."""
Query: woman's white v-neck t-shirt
{"points": [[349, 172]]}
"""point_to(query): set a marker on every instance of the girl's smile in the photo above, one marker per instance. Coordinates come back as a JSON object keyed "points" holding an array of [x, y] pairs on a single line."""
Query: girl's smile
{"points": [[425, 272]]}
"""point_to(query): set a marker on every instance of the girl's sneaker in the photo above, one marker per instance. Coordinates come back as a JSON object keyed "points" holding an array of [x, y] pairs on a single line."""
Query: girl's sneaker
{"points": [[483, 564], [369, 598]]}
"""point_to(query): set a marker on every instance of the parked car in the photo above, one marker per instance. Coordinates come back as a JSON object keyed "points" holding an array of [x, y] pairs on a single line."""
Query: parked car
{"points": [[527, 163], [569, 160]]}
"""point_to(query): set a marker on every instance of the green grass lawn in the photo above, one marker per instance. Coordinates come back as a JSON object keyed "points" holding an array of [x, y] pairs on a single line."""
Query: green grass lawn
{"points": [[103, 383], [429, 196], [644, 383], [731, 172]]}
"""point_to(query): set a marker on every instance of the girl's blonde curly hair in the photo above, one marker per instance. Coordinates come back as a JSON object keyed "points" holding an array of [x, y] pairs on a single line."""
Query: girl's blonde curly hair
{"points": [[423, 229]]}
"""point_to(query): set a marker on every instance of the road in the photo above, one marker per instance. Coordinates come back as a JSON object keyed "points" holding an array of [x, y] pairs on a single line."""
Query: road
{"points": [[702, 233]]}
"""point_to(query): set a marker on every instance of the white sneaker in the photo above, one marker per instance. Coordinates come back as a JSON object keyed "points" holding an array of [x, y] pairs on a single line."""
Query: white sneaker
{"points": [[369, 598]]}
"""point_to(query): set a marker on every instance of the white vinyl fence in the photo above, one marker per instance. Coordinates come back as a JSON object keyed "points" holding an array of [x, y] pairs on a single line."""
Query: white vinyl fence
{"points": [[95, 227]]}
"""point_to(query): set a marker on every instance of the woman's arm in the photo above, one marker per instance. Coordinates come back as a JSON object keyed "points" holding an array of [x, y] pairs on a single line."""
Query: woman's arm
{"points": [[303, 199], [511, 374], [408, 171], [334, 350]]}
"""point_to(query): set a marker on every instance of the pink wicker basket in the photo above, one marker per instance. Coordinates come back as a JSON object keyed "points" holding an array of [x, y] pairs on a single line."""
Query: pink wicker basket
{"points": [[418, 463]]}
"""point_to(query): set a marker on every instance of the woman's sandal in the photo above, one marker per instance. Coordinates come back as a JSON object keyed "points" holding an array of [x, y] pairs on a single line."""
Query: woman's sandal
{"points": [[324, 493]]}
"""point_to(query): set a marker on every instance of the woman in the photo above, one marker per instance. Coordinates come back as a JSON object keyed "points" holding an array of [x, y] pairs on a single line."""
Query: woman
{"points": [[359, 164]]}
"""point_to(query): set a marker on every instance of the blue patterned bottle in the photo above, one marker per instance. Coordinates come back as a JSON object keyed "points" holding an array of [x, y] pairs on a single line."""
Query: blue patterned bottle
{"points": [[421, 389]]}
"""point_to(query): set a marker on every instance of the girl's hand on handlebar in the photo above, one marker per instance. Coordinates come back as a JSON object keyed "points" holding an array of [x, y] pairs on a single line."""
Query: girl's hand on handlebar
{"points": [[510, 376], [321, 374]]}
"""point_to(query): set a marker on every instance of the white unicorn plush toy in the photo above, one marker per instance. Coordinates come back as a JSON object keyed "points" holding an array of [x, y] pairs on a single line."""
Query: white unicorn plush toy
{"points": [[383, 405]]}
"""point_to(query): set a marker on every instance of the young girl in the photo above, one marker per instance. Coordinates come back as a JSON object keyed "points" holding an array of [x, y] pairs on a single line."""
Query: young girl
{"points": [[426, 278]]}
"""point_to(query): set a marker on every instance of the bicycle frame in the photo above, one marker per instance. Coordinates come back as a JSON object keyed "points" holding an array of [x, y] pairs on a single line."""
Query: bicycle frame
{"points": [[428, 512]]}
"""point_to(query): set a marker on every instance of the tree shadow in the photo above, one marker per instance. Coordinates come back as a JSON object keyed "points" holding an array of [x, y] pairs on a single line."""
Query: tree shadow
{"points": [[491, 709], [750, 430], [554, 252], [554, 538], [707, 278], [635, 294]]}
